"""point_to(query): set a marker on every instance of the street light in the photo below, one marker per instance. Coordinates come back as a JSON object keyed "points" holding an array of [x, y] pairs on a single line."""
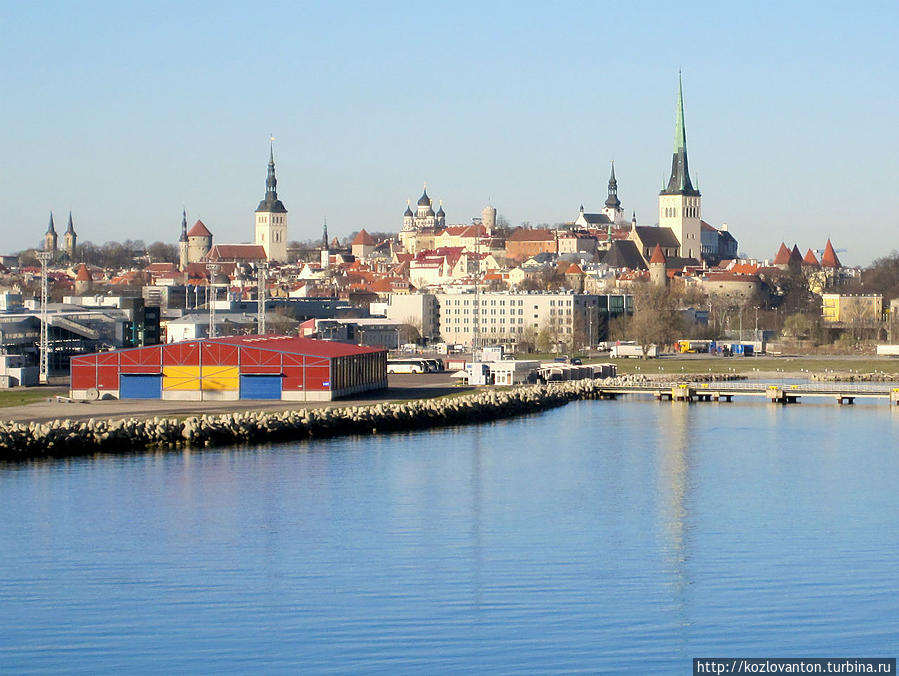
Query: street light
{"points": [[213, 270], [43, 373]]}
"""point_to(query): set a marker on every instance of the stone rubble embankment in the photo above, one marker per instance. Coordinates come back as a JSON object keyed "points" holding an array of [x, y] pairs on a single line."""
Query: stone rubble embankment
{"points": [[67, 438], [837, 377]]}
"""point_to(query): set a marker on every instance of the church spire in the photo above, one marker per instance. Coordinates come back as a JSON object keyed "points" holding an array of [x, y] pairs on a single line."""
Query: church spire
{"points": [[70, 229], [325, 234], [271, 183], [51, 228], [183, 237], [613, 202], [679, 183]]}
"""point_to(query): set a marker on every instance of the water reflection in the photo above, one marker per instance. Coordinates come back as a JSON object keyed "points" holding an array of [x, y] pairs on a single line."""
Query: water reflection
{"points": [[674, 476]]}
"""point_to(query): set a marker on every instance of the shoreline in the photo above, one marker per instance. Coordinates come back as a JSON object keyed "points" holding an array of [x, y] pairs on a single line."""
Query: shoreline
{"points": [[65, 437]]}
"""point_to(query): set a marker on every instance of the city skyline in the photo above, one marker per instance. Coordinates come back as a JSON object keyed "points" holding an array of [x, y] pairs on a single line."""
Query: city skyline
{"points": [[790, 137]]}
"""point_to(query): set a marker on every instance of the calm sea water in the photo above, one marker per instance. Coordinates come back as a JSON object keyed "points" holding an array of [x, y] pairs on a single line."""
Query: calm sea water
{"points": [[619, 537]]}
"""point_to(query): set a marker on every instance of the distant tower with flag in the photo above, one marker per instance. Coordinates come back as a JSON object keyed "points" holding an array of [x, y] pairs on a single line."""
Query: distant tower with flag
{"points": [[680, 204], [271, 216]]}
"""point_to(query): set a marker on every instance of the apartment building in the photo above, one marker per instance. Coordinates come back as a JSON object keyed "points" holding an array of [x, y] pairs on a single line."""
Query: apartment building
{"points": [[505, 318]]}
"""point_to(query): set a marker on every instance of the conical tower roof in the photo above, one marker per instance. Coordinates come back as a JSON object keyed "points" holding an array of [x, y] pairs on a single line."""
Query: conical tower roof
{"points": [[658, 256], [810, 259], [829, 258], [783, 255]]}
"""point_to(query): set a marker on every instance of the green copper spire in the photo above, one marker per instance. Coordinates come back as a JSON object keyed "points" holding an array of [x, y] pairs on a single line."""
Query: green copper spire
{"points": [[680, 134], [679, 182]]}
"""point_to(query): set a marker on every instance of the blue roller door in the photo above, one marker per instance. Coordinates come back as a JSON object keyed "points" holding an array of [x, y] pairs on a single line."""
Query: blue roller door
{"points": [[140, 386], [260, 387]]}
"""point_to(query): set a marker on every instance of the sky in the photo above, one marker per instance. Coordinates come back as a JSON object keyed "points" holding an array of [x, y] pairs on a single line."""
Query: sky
{"points": [[125, 113]]}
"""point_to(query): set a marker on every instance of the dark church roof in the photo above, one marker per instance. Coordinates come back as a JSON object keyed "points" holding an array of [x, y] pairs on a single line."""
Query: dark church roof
{"points": [[623, 253], [650, 235], [596, 219]]}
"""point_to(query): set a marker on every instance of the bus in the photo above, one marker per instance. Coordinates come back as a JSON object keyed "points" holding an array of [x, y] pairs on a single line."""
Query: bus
{"points": [[410, 365]]}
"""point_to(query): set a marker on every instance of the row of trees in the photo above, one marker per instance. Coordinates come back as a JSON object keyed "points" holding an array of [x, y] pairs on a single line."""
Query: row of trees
{"points": [[113, 255]]}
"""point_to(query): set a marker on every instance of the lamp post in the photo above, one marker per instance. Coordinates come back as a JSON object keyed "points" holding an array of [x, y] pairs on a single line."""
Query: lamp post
{"points": [[261, 270], [43, 372], [210, 299]]}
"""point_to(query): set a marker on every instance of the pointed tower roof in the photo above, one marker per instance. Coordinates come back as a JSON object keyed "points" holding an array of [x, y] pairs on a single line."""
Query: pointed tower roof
{"points": [[829, 257], [271, 203], [424, 200], [408, 211], [783, 255], [440, 211], [335, 243], [199, 230], [612, 202], [70, 229], [795, 256], [364, 238], [810, 259], [183, 237], [325, 234], [83, 274], [51, 228], [679, 182], [658, 256]]}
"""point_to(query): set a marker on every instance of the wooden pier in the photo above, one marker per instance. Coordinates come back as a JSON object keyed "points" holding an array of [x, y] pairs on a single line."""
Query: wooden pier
{"points": [[843, 394]]}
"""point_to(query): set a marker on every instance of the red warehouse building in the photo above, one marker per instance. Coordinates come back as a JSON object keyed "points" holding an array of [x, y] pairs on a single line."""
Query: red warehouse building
{"points": [[239, 367]]}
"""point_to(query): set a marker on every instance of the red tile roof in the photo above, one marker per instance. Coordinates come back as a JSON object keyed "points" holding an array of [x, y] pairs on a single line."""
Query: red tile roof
{"points": [[526, 235], [363, 238], [658, 255], [783, 255], [199, 230], [83, 275], [829, 257], [237, 252], [810, 259]]}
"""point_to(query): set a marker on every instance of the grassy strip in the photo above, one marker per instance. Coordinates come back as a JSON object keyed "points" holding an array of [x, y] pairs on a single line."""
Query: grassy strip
{"points": [[20, 397], [750, 365]]}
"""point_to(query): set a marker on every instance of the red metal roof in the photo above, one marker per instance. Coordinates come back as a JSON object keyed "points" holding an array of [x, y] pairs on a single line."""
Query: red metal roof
{"points": [[319, 348], [278, 343]]}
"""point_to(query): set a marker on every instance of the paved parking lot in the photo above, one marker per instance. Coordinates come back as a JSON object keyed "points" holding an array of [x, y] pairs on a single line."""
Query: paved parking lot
{"points": [[402, 387]]}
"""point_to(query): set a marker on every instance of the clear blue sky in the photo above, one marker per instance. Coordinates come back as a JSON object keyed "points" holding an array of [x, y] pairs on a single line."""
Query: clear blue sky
{"points": [[125, 112]]}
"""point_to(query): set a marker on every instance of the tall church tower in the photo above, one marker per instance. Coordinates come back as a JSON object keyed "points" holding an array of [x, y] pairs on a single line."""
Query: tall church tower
{"points": [[183, 259], [50, 237], [680, 204], [71, 239], [612, 208], [271, 218]]}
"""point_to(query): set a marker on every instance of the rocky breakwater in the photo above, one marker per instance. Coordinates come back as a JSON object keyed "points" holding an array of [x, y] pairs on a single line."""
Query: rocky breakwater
{"points": [[683, 377], [66, 438], [845, 377]]}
